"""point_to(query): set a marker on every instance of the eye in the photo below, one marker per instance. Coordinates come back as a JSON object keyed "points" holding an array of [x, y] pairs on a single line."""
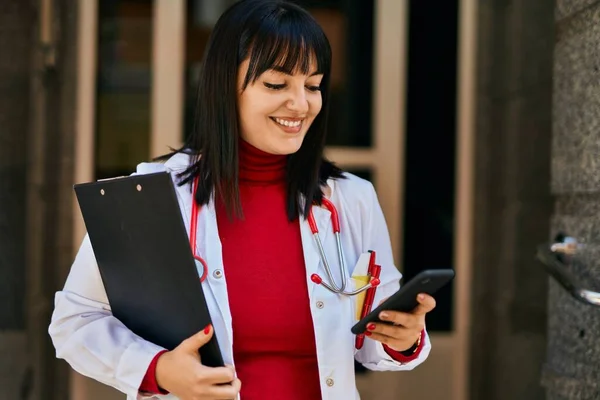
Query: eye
{"points": [[314, 88], [274, 86]]}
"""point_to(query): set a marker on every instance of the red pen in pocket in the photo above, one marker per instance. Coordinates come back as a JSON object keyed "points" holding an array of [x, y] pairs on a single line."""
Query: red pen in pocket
{"points": [[374, 271]]}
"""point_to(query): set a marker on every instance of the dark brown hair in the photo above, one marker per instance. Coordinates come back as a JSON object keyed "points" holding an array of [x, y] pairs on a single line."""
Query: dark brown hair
{"points": [[268, 33]]}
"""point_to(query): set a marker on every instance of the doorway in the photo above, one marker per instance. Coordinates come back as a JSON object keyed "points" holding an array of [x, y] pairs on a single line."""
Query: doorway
{"points": [[388, 109]]}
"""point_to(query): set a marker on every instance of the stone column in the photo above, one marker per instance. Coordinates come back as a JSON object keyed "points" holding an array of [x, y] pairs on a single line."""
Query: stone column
{"points": [[50, 150], [512, 198], [572, 368], [37, 109], [15, 61]]}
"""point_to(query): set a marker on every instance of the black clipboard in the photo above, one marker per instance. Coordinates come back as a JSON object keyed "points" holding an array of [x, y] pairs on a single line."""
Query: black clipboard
{"points": [[147, 267]]}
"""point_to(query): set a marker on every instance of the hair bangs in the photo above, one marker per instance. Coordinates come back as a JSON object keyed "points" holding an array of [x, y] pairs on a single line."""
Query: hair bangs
{"points": [[288, 42]]}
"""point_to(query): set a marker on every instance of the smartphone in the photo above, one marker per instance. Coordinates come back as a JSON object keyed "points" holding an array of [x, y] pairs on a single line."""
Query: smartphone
{"points": [[405, 299]]}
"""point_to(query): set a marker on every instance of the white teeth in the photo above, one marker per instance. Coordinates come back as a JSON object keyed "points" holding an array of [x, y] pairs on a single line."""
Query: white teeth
{"points": [[291, 124]]}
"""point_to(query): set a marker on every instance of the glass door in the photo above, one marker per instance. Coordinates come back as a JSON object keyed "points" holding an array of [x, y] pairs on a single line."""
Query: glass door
{"points": [[141, 90]]}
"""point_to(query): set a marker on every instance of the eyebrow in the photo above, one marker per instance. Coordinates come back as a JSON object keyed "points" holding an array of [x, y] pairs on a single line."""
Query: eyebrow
{"points": [[284, 71]]}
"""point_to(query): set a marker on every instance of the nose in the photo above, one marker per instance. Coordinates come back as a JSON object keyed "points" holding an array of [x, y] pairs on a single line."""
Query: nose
{"points": [[298, 102]]}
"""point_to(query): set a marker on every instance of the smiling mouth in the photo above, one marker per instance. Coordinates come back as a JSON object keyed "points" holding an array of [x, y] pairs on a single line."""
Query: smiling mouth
{"points": [[286, 123]]}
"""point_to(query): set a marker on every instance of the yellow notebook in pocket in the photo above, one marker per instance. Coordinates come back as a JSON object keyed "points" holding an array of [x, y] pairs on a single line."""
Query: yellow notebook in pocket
{"points": [[360, 277]]}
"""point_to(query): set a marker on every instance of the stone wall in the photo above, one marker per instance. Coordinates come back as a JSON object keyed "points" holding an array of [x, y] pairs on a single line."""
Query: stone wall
{"points": [[573, 356], [512, 198]]}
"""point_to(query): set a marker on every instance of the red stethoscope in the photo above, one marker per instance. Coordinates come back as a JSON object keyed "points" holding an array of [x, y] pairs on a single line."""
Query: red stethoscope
{"points": [[335, 221]]}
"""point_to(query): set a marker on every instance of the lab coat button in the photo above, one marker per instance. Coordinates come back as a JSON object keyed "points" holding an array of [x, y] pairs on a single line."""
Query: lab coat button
{"points": [[329, 382], [320, 304], [218, 274]]}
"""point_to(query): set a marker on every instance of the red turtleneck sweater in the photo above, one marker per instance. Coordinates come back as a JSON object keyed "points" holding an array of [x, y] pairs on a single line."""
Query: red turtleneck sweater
{"points": [[274, 350]]}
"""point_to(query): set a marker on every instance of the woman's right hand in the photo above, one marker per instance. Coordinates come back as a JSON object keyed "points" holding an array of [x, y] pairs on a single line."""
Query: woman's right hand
{"points": [[181, 373]]}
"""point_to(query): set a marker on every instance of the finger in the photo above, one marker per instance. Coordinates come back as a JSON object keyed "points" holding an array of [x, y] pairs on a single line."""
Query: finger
{"points": [[237, 385], [193, 343], [426, 304], [218, 375], [394, 343], [225, 392], [395, 332], [400, 318]]}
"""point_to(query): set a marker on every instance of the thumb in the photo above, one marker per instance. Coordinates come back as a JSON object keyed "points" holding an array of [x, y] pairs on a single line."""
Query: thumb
{"points": [[194, 342]]}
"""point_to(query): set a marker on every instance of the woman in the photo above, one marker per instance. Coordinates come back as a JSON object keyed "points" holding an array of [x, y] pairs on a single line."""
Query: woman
{"points": [[258, 155]]}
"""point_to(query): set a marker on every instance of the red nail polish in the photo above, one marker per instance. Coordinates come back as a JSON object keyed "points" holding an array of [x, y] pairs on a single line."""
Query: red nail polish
{"points": [[371, 326], [207, 329], [367, 333]]}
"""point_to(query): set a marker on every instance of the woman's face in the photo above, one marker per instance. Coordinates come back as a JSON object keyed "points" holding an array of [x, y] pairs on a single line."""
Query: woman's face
{"points": [[276, 110]]}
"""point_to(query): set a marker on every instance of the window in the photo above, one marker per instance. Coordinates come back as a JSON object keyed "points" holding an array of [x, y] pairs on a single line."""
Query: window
{"points": [[123, 86], [430, 149]]}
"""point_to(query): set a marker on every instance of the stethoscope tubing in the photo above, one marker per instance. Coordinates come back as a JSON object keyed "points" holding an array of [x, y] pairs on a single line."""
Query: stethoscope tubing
{"points": [[335, 221]]}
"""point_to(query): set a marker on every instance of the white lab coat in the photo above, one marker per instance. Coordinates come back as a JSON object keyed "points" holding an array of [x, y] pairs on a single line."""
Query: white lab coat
{"points": [[97, 345]]}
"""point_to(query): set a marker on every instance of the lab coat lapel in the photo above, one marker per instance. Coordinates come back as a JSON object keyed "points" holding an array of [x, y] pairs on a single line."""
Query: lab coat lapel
{"points": [[210, 246], [312, 257]]}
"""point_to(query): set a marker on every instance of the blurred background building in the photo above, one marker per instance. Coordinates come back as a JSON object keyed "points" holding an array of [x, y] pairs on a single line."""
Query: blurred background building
{"points": [[445, 106]]}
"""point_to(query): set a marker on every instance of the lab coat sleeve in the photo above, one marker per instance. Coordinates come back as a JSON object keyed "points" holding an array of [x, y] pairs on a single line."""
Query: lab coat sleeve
{"points": [[86, 334], [376, 237]]}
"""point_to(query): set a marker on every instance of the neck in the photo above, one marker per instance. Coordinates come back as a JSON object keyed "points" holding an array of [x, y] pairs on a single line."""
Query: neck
{"points": [[259, 167]]}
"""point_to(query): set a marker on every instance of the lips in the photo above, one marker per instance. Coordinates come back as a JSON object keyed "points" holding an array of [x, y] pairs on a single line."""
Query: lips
{"points": [[291, 126], [290, 123]]}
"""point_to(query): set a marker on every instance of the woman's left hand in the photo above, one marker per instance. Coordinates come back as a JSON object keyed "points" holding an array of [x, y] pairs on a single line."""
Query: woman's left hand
{"points": [[406, 328]]}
